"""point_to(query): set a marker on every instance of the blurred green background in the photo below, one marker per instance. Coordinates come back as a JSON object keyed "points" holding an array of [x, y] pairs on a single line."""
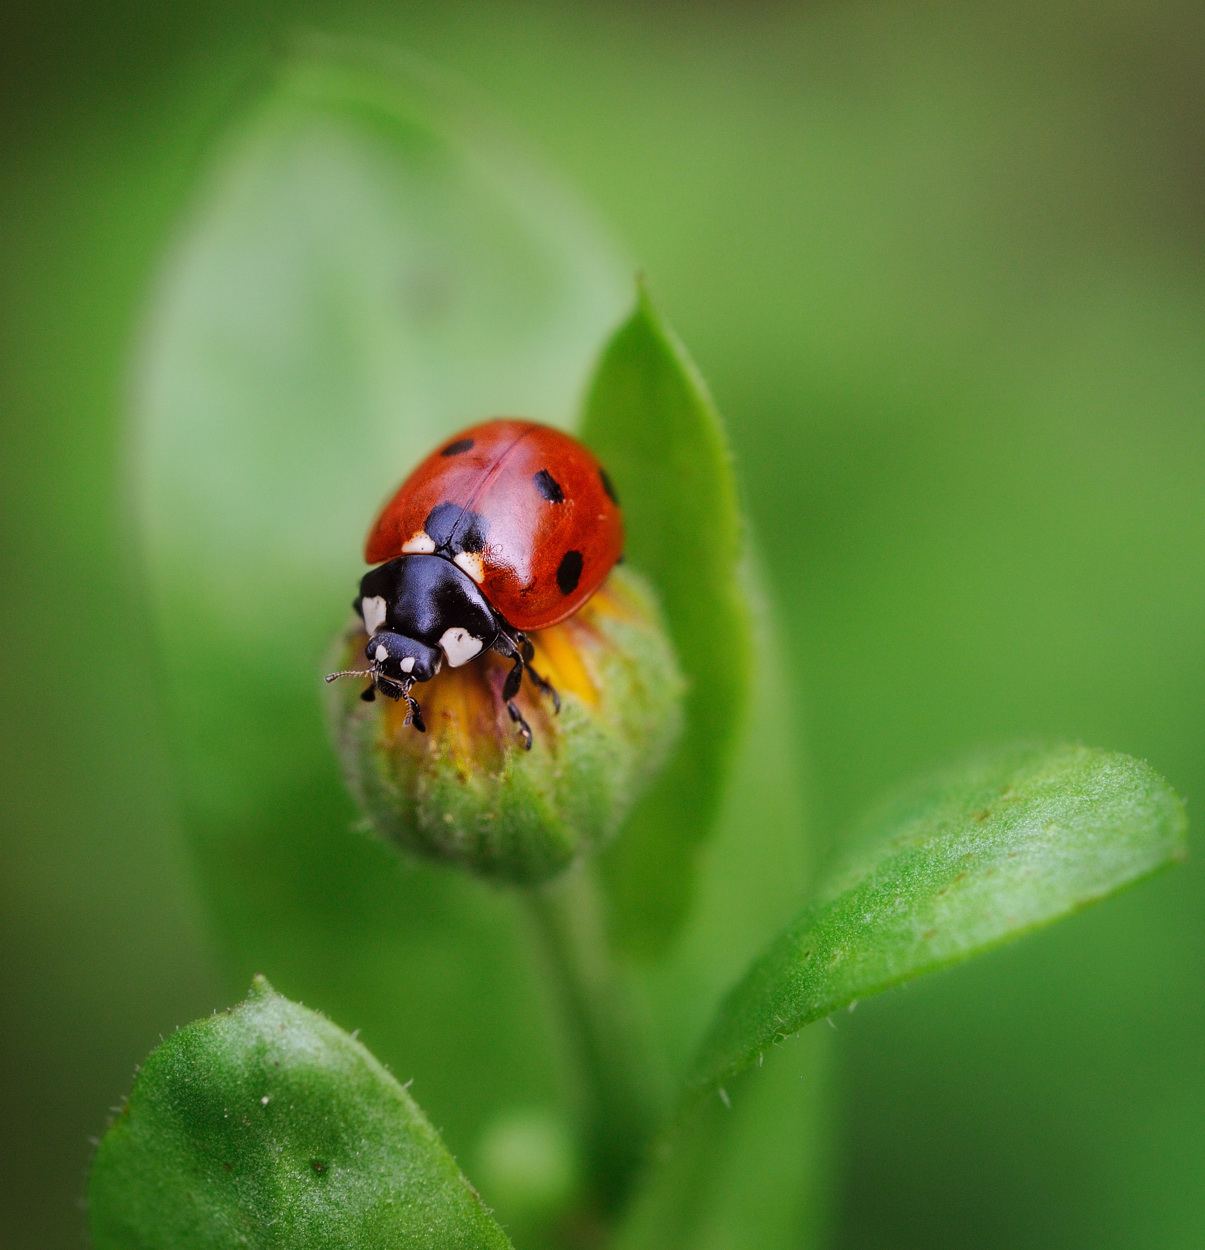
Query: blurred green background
{"points": [[943, 268]]}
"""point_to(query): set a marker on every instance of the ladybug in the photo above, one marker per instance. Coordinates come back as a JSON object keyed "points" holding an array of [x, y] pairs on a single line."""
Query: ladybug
{"points": [[508, 527]]}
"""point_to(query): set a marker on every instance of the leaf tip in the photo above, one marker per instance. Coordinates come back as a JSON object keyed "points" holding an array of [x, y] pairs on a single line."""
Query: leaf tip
{"points": [[261, 988], [647, 316]]}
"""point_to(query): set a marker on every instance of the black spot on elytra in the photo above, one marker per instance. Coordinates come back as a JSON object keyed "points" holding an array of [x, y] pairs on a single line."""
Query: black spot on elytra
{"points": [[454, 449], [549, 487], [441, 521], [569, 572], [454, 529], [608, 487]]}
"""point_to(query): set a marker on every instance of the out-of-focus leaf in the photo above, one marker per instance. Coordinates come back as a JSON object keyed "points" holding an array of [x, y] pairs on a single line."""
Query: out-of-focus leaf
{"points": [[269, 1126], [744, 1172], [1010, 841], [367, 265], [651, 421]]}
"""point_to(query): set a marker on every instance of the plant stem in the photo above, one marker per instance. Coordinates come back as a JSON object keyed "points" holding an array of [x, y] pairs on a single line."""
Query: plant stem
{"points": [[600, 1022]]}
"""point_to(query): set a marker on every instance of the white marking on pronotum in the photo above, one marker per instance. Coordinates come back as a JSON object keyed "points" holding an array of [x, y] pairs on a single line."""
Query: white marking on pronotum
{"points": [[459, 646], [420, 543], [472, 563], [372, 607], [408, 664], [381, 654]]}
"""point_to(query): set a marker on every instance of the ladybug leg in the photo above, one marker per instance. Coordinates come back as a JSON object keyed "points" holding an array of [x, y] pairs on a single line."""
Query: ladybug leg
{"points": [[523, 652], [517, 717], [510, 688], [514, 679], [397, 690], [518, 647], [415, 715], [545, 687]]}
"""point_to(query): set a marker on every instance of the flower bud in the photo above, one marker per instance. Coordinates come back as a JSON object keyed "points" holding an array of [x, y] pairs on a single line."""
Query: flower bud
{"points": [[467, 791]]}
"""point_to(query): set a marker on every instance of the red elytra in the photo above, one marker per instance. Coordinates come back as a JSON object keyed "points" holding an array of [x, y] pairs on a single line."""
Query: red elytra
{"points": [[537, 505]]}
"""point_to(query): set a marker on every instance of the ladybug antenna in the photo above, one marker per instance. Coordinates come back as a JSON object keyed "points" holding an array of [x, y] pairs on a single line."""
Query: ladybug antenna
{"points": [[350, 672]]}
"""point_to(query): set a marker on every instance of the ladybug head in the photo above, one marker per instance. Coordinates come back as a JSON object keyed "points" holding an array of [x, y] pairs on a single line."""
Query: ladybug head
{"points": [[401, 659], [395, 663]]}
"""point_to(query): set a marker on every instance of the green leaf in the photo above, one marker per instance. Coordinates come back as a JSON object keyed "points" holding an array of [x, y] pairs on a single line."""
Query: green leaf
{"points": [[651, 421], [367, 264], [268, 1126], [1009, 842]]}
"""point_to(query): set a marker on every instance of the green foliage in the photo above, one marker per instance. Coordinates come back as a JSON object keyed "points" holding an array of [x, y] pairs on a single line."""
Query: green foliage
{"points": [[651, 421], [527, 1159], [366, 264], [966, 860], [268, 1126]]}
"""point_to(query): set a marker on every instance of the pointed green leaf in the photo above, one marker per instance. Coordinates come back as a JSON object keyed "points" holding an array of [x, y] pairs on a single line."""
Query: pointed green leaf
{"points": [[651, 421], [954, 866], [268, 1126]]}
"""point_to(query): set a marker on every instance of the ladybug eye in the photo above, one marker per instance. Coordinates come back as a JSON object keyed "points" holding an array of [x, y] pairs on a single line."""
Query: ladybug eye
{"points": [[454, 449], [549, 487]]}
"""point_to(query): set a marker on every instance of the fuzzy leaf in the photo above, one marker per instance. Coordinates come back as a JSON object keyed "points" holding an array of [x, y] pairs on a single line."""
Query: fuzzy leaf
{"points": [[1009, 842], [269, 1126], [651, 421]]}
